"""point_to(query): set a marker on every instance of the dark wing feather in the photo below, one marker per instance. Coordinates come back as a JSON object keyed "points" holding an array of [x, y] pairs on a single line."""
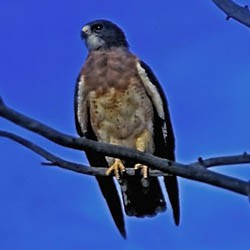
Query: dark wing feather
{"points": [[165, 144], [106, 184]]}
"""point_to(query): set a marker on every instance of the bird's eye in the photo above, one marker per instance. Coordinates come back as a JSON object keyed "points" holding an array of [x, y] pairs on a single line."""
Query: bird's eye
{"points": [[97, 27]]}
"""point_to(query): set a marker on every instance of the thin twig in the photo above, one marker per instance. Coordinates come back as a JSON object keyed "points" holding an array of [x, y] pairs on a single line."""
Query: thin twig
{"points": [[233, 10], [222, 161]]}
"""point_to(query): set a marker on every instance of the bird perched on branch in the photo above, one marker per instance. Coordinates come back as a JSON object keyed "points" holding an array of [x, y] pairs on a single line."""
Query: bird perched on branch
{"points": [[118, 100]]}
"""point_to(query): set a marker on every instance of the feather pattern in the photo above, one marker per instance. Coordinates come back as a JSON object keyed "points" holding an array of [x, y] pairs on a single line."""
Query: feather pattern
{"points": [[164, 139], [118, 100]]}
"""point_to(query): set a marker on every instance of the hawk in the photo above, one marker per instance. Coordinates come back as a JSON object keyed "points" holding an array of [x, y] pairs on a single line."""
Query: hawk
{"points": [[118, 100]]}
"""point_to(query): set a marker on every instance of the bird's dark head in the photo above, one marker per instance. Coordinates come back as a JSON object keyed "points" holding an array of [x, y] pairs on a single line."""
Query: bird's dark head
{"points": [[103, 34]]}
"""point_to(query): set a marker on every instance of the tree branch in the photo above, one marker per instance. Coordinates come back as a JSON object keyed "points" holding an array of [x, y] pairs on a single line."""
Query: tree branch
{"points": [[233, 10], [196, 171], [57, 161]]}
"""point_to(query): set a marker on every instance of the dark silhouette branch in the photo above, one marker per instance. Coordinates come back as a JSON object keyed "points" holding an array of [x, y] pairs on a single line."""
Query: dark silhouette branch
{"points": [[233, 10], [223, 161], [57, 161], [195, 171]]}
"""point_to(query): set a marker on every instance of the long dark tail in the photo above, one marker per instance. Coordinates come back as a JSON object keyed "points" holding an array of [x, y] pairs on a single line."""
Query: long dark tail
{"points": [[109, 191], [142, 201], [111, 196], [171, 185]]}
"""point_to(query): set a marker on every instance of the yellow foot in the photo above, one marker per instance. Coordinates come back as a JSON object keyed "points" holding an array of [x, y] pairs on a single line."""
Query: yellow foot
{"points": [[117, 168], [143, 168]]}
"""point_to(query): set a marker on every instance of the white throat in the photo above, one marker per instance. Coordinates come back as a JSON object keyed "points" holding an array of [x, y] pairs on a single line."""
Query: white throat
{"points": [[94, 42]]}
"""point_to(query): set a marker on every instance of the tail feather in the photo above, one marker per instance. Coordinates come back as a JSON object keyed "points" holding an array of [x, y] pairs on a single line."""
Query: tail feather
{"points": [[171, 185], [109, 192], [142, 201]]}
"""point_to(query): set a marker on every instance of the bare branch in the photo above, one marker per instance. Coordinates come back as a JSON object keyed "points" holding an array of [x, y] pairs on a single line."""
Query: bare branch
{"points": [[233, 10], [223, 161], [57, 161], [195, 171]]}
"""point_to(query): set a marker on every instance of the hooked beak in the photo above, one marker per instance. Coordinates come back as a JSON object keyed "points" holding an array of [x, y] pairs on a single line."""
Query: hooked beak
{"points": [[85, 32]]}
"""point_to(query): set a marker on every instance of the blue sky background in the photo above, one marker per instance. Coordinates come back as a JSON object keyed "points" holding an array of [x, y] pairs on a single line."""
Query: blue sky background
{"points": [[203, 63]]}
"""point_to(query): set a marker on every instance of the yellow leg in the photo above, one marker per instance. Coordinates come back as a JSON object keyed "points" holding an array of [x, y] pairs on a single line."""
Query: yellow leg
{"points": [[117, 168], [144, 143]]}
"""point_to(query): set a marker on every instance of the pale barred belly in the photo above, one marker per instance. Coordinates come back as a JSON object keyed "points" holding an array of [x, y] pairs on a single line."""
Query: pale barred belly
{"points": [[119, 117]]}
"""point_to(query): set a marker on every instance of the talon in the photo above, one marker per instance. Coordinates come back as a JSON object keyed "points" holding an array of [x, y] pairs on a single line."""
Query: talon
{"points": [[117, 168], [143, 168]]}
